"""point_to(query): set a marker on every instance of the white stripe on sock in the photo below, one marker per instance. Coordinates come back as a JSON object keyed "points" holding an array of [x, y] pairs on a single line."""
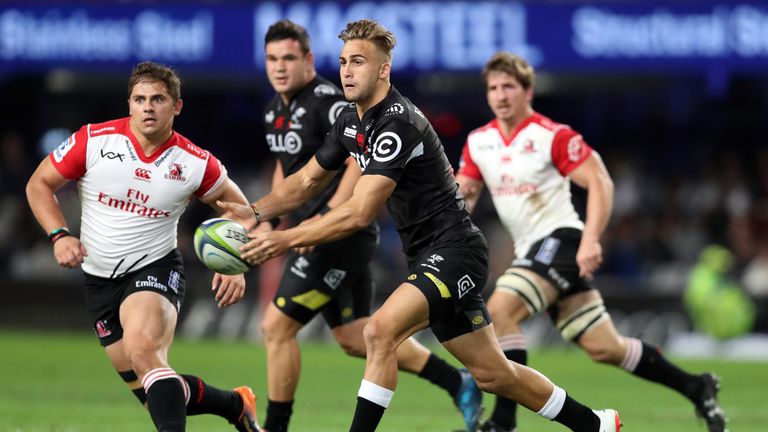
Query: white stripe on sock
{"points": [[634, 353], [554, 404], [512, 341], [375, 393], [165, 373]]}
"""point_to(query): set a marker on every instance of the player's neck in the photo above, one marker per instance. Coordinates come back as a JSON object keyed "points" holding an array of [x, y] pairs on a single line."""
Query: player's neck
{"points": [[150, 143], [508, 125], [286, 97], [378, 95]]}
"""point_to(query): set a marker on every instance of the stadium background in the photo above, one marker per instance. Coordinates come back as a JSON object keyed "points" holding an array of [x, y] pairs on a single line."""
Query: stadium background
{"points": [[674, 95]]}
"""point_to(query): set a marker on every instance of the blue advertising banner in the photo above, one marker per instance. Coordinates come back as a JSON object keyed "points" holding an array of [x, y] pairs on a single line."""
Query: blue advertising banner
{"points": [[708, 37]]}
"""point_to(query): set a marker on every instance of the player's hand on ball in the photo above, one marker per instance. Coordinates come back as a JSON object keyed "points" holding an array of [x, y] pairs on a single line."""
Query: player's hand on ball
{"points": [[240, 213], [228, 289], [264, 246], [69, 252]]}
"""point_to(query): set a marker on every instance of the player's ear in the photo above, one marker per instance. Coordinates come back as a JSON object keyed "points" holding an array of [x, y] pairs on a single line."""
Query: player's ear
{"points": [[177, 107], [384, 70]]}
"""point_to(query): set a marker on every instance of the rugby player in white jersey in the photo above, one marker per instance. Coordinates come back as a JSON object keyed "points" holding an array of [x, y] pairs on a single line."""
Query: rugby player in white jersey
{"points": [[404, 167], [135, 176], [527, 162]]}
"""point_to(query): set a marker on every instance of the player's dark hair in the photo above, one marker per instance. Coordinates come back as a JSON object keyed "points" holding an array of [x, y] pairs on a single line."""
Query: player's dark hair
{"points": [[512, 64], [370, 30], [151, 71], [287, 29]]}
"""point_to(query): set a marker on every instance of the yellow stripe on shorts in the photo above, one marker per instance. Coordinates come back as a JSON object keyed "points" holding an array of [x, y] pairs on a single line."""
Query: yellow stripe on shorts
{"points": [[444, 293]]}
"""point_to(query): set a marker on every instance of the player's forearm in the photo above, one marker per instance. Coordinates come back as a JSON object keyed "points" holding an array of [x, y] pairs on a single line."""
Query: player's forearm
{"points": [[334, 225], [288, 195], [599, 206]]}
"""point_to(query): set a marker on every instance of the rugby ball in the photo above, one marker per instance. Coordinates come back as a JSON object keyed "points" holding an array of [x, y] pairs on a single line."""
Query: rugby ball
{"points": [[217, 244]]}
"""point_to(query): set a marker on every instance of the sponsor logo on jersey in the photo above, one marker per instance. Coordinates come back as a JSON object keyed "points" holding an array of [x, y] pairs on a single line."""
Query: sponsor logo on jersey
{"points": [[295, 122], [334, 277], [64, 148], [418, 111], [387, 147], [101, 329], [162, 158], [289, 143], [197, 151], [134, 203], [112, 155], [350, 132], [299, 268], [528, 147], [324, 90], [129, 149], [394, 109], [465, 285], [176, 172], [104, 129], [279, 121], [547, 250], [173, 281], [143, 174], [335, 110], [268, 117], [151, 282], [576, 148]]}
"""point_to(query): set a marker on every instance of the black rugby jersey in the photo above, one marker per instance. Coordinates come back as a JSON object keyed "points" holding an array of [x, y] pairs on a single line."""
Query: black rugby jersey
{"points": [[295, 132], [396, 140]]}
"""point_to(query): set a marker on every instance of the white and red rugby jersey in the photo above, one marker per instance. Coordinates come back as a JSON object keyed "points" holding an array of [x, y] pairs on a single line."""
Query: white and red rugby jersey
{"points": [[131, 203], [526, 175]]}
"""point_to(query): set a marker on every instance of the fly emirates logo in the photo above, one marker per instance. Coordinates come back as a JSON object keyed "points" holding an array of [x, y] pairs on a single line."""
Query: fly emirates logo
{"points": [[135, 202]]}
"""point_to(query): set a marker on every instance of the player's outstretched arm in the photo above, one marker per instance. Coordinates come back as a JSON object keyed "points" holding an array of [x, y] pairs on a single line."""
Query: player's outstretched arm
{"points": [[369, 196], [471, 189], [593, 176], [286, 196], [41, 195]]}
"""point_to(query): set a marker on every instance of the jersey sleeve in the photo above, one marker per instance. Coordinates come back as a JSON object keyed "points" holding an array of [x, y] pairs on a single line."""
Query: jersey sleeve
{"points": [[332, 154], [467, 165], [394, 144], [70, 156], [569, 151], [214, 176]]}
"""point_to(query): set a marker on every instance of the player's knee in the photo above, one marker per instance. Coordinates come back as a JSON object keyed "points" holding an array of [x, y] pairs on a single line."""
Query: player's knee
{"points": [[144, 357], [275, 330], [377, 335]]}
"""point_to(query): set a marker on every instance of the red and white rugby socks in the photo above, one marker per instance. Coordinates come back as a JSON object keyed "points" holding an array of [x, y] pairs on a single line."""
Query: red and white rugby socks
{"points": [[167, 397], [647, 362], [372, 400], [206, 399]]}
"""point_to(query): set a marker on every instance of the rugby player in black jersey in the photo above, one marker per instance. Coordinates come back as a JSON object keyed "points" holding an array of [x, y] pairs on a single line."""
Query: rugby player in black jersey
{"points": [[404, 166], [334, 278]]}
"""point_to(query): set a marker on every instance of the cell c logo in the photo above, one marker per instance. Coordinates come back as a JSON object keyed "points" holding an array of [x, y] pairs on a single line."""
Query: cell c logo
{"points": [[142, 173], [387, 147], [292, 142]]}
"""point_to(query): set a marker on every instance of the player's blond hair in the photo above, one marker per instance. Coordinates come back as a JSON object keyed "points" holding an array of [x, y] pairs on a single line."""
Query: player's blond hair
{"points": [[512, 64], [370, 30], [151, 71]]}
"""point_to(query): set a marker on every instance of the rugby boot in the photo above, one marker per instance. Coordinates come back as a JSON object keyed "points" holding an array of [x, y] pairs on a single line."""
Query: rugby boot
{"points": [[707, 406], [609, 420], [469, 400], [247, 421]]}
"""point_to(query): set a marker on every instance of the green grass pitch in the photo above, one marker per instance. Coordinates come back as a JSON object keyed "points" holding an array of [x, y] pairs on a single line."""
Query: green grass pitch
{"points": [[63, 382]]}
